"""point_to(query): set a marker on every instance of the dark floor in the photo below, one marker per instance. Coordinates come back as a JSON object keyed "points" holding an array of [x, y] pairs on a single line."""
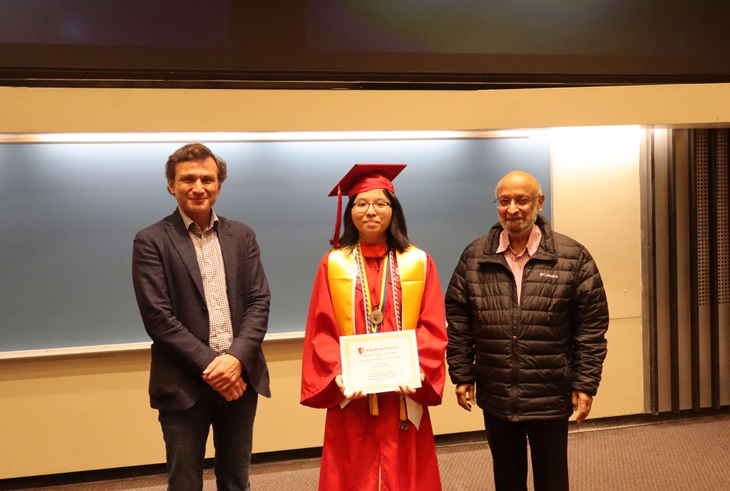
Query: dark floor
{"points": [[688, 454]]}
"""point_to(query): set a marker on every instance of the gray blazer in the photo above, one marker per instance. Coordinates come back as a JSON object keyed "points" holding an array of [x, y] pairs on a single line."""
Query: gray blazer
{"points": [[169, 290]]}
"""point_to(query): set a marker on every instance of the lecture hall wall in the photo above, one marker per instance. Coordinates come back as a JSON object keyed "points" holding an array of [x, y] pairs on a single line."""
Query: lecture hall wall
{"points": [[91, 412]]}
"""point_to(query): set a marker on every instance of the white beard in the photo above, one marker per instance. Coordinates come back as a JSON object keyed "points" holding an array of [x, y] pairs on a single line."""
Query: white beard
{"points": [[522, 225]]}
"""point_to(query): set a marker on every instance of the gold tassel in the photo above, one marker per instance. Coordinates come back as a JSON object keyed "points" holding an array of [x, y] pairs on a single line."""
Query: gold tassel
{"points": [[402, 413], [373, 399]]}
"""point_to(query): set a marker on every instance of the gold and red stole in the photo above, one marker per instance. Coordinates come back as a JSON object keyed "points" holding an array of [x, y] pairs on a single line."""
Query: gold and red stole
{"points": [[342, 276]]}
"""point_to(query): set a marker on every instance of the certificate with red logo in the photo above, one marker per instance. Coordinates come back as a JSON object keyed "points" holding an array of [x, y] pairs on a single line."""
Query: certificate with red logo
{"points": [[380, 362]]}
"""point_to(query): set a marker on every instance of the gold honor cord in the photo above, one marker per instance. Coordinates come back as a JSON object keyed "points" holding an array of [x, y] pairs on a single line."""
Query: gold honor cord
{"points": [[374, 318], [367, 307]]}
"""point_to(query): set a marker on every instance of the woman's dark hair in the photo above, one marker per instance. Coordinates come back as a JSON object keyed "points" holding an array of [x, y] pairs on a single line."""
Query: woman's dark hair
{"points": [[396, 234]]}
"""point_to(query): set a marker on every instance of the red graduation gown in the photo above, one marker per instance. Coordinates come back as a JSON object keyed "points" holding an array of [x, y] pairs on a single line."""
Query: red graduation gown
{"points": [[360, 451]]}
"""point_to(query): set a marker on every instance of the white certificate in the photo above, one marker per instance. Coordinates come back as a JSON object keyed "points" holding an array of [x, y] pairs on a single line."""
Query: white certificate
{"points": [[380, 362]]}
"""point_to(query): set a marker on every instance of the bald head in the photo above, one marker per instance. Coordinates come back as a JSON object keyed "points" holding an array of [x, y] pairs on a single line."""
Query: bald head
{"points": [[518, 179], [519, 200]]}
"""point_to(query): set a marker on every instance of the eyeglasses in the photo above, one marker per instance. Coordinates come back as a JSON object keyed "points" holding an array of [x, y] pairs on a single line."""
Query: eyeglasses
{"points": [[519, 201], [363, 206]]}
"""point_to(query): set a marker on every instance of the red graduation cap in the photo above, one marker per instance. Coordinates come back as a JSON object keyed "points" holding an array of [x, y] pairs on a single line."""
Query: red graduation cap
{"points": [[360, 179]]}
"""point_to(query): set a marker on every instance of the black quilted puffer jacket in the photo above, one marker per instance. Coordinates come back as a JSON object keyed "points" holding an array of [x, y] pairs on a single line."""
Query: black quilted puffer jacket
{"points": [[525, 359]]}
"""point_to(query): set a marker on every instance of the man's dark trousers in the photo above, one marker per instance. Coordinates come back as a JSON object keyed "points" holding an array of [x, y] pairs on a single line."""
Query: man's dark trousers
{"points": [[548, 449], [186, 434]]}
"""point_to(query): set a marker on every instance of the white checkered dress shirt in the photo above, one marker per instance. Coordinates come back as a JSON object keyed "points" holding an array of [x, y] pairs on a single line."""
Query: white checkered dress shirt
{"points": [[517, 262], [210, 262]]}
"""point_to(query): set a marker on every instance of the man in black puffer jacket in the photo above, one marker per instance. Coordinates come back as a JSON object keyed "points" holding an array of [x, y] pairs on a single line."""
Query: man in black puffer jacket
{"points": [[527, 316]]}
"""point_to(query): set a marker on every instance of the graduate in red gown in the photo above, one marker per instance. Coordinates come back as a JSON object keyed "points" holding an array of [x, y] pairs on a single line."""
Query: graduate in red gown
{"points": [[374, 280]]}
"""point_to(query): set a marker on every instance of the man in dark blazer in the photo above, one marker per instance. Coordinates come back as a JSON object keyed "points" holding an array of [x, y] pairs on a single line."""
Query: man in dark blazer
{"points": [[204, 301]]}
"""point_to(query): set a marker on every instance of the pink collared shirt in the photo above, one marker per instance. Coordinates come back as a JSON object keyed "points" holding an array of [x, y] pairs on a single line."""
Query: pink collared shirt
{"points": [[517, 262]]}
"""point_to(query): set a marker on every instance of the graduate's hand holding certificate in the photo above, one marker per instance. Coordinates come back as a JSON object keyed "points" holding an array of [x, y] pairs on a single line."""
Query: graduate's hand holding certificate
{"points": [[404, 390], [346, 393], [382, 362]]}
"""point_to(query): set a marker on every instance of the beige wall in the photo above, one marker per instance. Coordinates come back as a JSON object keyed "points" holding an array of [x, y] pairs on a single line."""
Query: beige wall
{"points": [[73, 414], [92, 110], [595, 174]]}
